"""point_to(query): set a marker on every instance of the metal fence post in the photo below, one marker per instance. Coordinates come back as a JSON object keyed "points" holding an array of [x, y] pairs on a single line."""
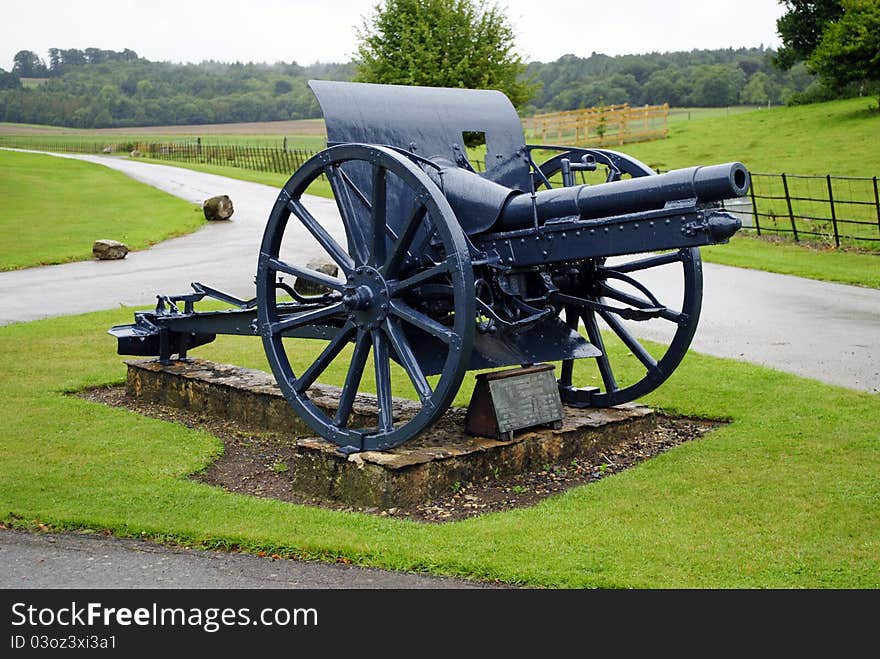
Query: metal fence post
{"points": [[754, 206], [833, 214], [877, 203], [790, 212]]}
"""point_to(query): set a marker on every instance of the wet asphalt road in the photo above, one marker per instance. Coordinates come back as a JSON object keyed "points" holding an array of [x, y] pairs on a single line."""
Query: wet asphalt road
{"points": [[82, 561]]}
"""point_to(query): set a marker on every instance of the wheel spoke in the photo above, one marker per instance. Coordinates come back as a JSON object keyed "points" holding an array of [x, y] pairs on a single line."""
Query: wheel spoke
{"points": [[629, 341], [306, 318], [306, 273], [441, 268], [377, 215], [602, 362], [341, 186], [648, 262], [339, 255], [399, 249], [352, 379], [313, 372], [408, 360], [420, 320], [383, 380], [571, 321]]}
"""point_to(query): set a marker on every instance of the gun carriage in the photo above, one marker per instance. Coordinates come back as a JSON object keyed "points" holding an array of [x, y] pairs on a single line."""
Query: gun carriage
{"points": [[441, 269]]}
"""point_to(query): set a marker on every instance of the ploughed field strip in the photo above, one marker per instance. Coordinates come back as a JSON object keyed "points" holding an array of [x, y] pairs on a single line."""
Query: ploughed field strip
{"points": [[436, 269]]}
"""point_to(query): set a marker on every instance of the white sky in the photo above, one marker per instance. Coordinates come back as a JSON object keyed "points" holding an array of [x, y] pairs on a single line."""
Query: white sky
{"points": [[308, 31]]}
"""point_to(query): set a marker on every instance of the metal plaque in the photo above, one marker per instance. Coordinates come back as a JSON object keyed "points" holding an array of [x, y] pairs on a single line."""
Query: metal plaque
{"points": [[526, 400]]}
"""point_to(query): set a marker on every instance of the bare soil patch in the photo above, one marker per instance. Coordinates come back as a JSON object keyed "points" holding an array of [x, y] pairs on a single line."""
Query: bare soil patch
{"points": [[254, 463]]}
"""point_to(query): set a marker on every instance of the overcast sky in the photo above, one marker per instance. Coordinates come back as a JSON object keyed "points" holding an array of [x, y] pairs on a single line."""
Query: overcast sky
{"points": [[325, 30]]}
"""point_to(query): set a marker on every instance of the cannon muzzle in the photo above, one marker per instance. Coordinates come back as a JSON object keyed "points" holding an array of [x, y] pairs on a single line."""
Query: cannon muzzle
{"points": [[705, 184]]}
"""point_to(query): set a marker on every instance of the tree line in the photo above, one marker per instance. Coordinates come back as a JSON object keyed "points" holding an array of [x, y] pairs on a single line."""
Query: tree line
{"points": [[98, 89], [699, 78]]}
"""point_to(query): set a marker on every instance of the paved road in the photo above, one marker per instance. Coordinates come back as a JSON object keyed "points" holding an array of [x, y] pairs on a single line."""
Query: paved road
{"points": [[68, 560], [815, 329], [220, 254]]}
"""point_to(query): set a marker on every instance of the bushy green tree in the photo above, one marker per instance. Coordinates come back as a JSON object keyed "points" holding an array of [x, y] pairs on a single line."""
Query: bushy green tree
{"points": [[9, 80], [849, 50], [28, 64], [801, 28], [442, 43]]}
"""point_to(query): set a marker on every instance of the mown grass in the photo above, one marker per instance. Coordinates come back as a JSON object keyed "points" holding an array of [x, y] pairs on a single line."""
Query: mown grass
{"points": [[837, 137], [785, 496], [55, 208], [746, 250]]}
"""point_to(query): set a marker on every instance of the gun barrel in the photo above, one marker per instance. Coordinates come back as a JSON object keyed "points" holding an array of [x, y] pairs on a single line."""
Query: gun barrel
{"points": [[705, 184]]}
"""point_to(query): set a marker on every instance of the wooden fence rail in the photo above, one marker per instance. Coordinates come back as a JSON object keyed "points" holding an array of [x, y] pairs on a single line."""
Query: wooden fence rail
{"points": [[599, 126]]}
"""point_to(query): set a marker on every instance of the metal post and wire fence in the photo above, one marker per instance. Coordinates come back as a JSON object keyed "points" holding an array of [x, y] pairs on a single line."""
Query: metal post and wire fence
{"points": [[831, 210]]}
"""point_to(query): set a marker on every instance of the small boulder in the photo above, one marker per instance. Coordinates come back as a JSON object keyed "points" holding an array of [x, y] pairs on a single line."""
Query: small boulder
{"points": [[107, 149], [109, 250], [218, 208], [306, 287], [136, 154]]}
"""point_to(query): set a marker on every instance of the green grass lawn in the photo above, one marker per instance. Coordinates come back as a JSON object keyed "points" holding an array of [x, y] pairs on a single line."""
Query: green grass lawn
{"points": [[746, 250], [785, 496], [55, 208], [838, 138]]}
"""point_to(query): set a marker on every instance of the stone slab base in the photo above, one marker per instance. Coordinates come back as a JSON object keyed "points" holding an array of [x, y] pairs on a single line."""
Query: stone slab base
{"points": [[412, 473]]}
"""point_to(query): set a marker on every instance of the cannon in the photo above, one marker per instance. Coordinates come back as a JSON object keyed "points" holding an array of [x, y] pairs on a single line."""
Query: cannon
{"points": [[441, 269]]}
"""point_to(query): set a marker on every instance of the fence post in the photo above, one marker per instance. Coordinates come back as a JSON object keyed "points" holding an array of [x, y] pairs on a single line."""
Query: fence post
{"points": [[754, 205], [877, 203], [790, 212], [833, 214]]}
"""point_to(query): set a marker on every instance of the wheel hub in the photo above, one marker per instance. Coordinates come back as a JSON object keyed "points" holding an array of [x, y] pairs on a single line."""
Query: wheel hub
{"points": [[366, 298]]}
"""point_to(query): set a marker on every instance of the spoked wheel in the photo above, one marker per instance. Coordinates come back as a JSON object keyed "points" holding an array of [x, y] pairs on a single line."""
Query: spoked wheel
{"points": [[615, 295], [400, 237]]}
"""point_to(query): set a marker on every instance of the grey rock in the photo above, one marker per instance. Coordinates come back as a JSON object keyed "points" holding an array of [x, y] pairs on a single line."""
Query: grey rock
{"points": [[218, 208], [109, 250], [305, 287]]}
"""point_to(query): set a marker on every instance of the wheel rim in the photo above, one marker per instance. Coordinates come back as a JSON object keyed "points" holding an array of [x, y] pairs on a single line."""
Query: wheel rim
{"points": [[616, 304], [599, 298], [383, 259]]}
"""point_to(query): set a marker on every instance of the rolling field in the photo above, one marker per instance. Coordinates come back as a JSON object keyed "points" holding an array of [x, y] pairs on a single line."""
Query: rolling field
{"points": [[301, 134]]}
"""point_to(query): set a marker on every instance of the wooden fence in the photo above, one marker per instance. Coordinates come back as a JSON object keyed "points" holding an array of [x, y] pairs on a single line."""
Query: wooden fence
{"points": [[599, 126]]}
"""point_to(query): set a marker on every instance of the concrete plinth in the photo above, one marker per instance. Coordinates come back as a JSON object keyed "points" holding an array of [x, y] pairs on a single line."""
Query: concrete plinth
{"points": [[412, 473]]}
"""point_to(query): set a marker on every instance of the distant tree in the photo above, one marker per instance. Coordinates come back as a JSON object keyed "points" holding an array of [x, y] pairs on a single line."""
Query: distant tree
{"points": [[759, 90], [442, 43], [801, 28], [282, 87], [849, 51], [9, 80], [27, 64]]}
